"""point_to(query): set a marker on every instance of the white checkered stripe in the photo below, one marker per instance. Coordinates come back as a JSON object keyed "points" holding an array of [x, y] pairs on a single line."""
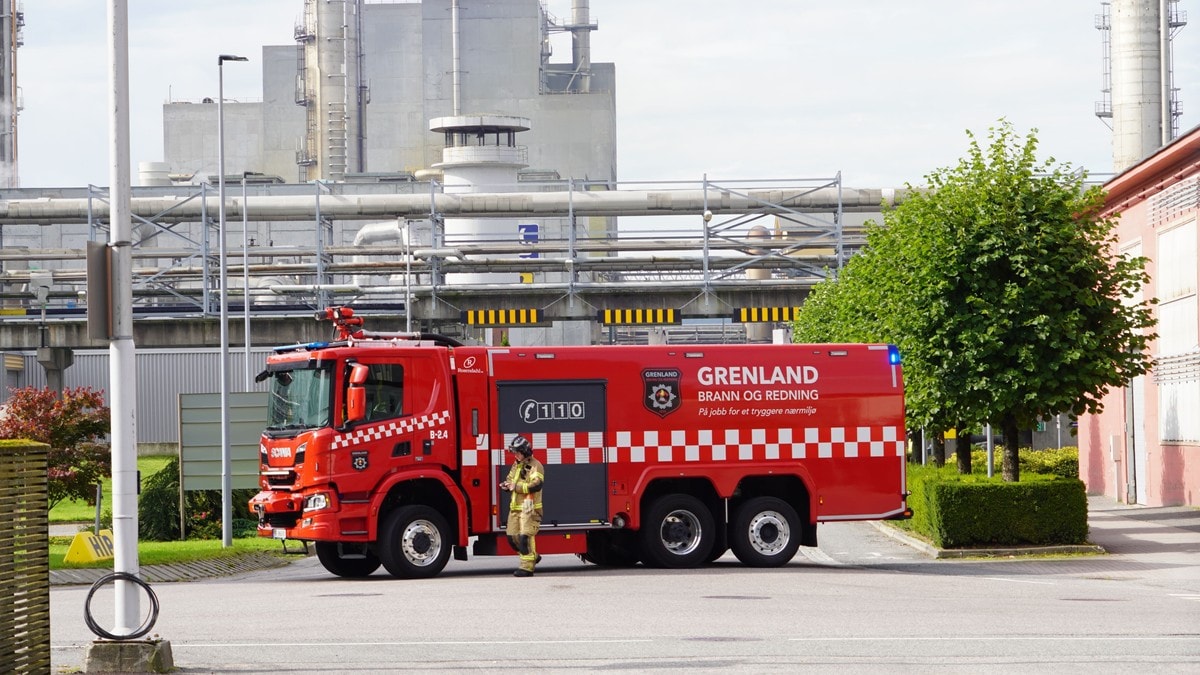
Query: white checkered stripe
{"points": [[404, 425], [725, 445], [568, 447]]}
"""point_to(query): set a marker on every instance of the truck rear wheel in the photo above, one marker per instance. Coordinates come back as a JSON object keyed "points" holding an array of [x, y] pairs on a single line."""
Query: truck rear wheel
{"points": [[765, 532], [414, 542], [677, 531], [352, 561]]}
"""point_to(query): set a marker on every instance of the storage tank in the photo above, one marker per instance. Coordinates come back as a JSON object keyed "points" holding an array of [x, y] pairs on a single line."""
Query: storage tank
{"points": [[154, 173], [481, 155]]}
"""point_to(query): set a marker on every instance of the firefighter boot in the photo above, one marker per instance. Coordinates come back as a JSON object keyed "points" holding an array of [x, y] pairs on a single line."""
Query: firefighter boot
{"points": [[529, 556]]}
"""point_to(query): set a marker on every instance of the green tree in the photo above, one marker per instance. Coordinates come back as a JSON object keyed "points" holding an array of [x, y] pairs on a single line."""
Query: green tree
{"points": [[71, 424], [1005, 293]]}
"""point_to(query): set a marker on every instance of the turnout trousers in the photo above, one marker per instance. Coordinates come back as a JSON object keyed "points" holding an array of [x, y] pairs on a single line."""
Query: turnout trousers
{"points": [[522, 530]]}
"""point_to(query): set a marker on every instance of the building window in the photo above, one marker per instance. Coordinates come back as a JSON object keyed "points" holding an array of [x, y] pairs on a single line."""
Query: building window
{"points": [[1177, 372]]}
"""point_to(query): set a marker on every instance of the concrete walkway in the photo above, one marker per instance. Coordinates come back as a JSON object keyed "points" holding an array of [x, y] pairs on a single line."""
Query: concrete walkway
{"points": [[1168, 534], [1167, 531]]}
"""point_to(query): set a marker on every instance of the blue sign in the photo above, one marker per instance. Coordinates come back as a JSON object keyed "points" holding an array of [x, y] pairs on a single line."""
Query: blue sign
{"points": [[528, 235]]}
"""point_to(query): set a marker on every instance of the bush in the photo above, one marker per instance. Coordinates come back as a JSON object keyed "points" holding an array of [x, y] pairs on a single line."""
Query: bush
{"points": [[1063, 462], [1041, 511], [953, 510], [71, 423], [158, 509], [158, 506]]}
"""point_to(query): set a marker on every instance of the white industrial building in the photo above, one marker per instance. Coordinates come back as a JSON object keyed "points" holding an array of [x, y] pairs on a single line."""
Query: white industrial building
{"points": [[357, 92], [429, 90]]}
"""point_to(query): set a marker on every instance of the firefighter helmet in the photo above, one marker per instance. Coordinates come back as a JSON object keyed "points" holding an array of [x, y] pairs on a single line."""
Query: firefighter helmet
{"points": [[520, 446]]}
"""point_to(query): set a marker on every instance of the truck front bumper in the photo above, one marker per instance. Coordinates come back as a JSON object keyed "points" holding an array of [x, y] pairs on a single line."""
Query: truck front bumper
{"points": [[283, 515]]}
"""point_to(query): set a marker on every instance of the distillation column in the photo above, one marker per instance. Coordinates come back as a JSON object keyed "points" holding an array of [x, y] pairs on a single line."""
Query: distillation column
{"points": [[12, 20], [334, 95]]}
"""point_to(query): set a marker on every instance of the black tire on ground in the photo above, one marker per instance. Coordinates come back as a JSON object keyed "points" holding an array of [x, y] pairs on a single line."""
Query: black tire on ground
{"points": [[352, 561], [765, 532], [677, 531], [414, 542], [721, 543], [717, 552], [612, 549]]}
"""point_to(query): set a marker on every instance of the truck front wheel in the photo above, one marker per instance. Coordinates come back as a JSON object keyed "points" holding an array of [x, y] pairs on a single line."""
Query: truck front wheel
{"points": [[414, 542], [347, 560], [677, 531], [765, 532]]}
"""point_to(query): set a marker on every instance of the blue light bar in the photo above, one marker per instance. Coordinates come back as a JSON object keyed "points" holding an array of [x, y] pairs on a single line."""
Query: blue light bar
{"points": [[893, 355], [298, 346]]}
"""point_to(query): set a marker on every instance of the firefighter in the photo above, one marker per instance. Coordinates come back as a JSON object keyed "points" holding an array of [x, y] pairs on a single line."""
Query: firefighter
{"points": [[525, 481]]}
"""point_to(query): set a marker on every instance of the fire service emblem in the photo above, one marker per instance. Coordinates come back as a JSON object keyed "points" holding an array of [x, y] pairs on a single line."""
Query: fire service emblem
{"points": [[662, 394], [358, 460]]}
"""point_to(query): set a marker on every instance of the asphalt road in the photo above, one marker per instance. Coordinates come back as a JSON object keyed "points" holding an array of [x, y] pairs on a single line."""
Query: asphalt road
{"points": [[861, 603]]}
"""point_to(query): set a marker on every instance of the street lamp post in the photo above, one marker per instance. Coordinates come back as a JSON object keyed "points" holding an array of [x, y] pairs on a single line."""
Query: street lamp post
{"points": [[407, 278], [246, 280], [226, 468]]}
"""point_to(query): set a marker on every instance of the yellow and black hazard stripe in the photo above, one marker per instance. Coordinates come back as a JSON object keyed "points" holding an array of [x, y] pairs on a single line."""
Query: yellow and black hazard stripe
{"points": [[765, 314], [502, 317], [630, 317]]}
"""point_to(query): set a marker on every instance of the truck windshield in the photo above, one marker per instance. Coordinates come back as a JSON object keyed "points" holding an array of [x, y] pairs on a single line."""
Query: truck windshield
{"points": [[300, 398]]}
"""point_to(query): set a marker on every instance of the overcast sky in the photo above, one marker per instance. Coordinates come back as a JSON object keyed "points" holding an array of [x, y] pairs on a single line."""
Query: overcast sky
{"points": [[880, 90]]}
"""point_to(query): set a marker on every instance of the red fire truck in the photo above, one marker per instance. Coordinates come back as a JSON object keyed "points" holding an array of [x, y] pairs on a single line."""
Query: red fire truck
{"points": [[388, 448]]}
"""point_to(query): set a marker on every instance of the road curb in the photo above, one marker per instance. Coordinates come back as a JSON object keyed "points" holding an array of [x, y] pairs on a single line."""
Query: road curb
{"points": [[191, 571], [1009, 552]]}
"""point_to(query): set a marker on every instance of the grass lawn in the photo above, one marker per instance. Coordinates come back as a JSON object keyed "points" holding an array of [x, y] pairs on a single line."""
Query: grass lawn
{"points": [[77, 510], [149, 552], [168, 552]]}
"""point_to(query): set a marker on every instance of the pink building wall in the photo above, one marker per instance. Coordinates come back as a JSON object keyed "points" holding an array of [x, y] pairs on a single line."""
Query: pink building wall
{"points": [[1155, 195]]}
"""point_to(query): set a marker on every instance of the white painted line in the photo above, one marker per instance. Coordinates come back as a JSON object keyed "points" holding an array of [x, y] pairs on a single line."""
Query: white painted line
{"points": [[818, 556], [1005, 638], [414, 643], [1021, 581]]}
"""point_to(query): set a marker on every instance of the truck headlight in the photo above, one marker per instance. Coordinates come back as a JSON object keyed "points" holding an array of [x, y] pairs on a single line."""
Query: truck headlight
{"points": [[316, 502]]}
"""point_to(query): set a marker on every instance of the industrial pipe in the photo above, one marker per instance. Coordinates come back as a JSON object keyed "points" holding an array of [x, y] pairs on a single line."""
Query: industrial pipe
{"points": [[480, 205]]}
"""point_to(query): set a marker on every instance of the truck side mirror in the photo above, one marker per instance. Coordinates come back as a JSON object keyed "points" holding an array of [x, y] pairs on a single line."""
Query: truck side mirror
{"points": [[356, 394]]}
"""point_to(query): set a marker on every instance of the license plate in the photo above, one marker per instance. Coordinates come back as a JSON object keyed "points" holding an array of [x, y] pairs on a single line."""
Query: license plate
{"points": [[279, 533]]}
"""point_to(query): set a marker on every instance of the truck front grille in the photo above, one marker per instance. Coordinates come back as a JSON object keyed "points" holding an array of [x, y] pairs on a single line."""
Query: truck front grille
{"points": [[285, 479]]}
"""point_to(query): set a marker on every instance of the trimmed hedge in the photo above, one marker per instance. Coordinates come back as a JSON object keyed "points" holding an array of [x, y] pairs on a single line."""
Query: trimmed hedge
{"points": [[956, 511]]}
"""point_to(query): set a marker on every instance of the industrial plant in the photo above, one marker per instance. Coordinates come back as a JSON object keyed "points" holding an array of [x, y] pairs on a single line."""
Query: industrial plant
{"points": [[439, 165]]}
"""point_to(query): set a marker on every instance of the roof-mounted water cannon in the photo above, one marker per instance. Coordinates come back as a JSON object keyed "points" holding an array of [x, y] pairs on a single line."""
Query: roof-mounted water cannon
{"points": [[343, 320], [350, 327]]}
